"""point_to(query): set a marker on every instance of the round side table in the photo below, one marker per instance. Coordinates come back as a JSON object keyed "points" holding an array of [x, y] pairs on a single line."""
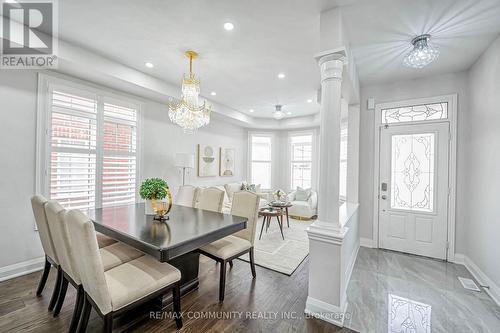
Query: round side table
{"points": [[268, 214], [283, 206]]}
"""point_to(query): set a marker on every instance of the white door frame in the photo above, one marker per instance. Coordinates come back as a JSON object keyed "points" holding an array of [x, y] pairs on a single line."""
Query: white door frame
{"points": [[452, 119]]}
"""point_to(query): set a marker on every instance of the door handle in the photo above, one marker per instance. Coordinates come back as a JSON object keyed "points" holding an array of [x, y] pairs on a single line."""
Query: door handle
{"points": [[384, 197]]}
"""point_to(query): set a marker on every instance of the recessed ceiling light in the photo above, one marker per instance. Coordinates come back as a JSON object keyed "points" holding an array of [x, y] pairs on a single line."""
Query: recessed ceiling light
{"points": [[149, 65], [288, 113], [309, 101], [281, 75], [228, 26], [251, 110], [213, 93]]}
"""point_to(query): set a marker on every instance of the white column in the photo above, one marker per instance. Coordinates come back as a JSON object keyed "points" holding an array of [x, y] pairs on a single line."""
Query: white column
{"points": [[331, 66], [327, 265]]}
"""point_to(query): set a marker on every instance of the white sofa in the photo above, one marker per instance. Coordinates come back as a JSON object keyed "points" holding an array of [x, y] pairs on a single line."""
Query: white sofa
{"points": [[231, 188], [303, 209]]}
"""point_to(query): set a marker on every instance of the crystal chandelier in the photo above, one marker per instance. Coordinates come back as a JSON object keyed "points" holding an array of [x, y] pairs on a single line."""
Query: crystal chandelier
{"points": [[189, 113], [422, 53]]}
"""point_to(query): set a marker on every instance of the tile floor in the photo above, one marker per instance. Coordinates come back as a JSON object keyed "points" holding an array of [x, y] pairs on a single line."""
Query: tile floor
{"points": [[395, 292]]}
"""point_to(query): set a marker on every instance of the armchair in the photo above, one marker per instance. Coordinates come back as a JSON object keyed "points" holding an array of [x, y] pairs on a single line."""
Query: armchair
{"points": [[303, 210]]}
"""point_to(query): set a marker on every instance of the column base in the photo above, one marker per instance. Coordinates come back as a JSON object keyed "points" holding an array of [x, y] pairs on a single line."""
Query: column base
{"points": [[329, 266], [328, 232], [330, 313]]}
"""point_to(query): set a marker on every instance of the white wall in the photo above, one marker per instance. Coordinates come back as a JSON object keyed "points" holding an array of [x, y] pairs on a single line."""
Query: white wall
{"points": [[162, 140], [482, 166], [427, 87], [19, 241]]}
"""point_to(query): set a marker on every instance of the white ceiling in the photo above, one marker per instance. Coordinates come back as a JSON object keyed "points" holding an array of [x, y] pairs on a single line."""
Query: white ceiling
{"points": [[380, 32], [275, 36]]}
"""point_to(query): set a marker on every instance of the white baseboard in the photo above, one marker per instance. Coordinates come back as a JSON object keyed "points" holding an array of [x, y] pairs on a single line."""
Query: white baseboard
{"points": [[480, 276], [21, 268], [366, 242], [459, 259], [324, 311]]}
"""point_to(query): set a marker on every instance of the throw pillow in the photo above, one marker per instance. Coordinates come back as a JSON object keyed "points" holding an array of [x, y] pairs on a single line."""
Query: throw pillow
{"points": [[249, 187], [302, 194]]}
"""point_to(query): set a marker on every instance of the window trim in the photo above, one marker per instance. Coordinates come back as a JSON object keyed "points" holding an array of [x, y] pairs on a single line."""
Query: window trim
{"points": [[45, 84], [252, 134], [452, 100], [290, 153], [314, 157]]}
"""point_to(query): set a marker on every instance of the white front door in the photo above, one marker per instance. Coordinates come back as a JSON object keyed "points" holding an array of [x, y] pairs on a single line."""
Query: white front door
{"points": [[413, 191]]}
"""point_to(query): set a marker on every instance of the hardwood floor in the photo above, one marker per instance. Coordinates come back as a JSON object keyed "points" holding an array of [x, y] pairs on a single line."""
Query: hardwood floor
{"points": [[272, 294]]}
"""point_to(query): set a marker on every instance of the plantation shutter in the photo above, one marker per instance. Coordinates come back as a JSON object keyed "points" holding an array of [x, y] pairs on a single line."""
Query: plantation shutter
{"points": [[91, 149], [119, 164], [73, 150]]}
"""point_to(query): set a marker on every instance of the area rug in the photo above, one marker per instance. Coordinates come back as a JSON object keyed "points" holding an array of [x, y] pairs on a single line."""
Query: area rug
{"points": [[280, 255]]}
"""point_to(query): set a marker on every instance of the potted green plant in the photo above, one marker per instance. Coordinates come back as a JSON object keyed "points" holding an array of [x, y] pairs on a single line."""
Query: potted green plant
{"points": [[156, 188]]}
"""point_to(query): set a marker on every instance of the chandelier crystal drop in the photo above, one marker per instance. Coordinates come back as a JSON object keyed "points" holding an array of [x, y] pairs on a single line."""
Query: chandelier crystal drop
{"points": [[189, 113], [422, 53]]}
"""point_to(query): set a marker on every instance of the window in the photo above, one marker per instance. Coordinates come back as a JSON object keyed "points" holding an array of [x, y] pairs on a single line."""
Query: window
{"points": [[90, 149], [412, 172], [422, 112], [343, 163], [260, 168], [301, 160]]}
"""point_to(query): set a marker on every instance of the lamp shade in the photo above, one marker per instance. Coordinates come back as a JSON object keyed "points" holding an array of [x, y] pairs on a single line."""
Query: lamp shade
{"points": [[184, 160]]}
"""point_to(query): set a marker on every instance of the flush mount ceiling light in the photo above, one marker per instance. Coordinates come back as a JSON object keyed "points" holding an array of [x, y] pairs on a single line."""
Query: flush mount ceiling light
{"points": [[189, 113], [277, 113], [213, 93], [422, 53], [251, 110], [309, 101], [228, 26], [281, 76], [149, 65]]}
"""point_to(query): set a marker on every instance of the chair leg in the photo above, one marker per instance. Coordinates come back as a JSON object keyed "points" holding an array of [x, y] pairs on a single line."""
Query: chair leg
{"points": [[230, 263], [176, 299], [262, 228], [108, 323], [84, 320], [57, 288], [61, 296], [252, 262], [80, 295], [222, 282], [43, 278]]}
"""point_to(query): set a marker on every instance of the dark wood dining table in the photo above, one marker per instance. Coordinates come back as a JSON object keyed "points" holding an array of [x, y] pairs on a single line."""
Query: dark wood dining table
{"points": [[174, 241]]}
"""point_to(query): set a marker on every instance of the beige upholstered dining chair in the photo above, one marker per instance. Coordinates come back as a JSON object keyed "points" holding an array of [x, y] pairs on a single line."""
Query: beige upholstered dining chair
{"points": [[113, 255], [121, 288], [185, 196], [210, 198], [245, 204], [38, 203]]}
